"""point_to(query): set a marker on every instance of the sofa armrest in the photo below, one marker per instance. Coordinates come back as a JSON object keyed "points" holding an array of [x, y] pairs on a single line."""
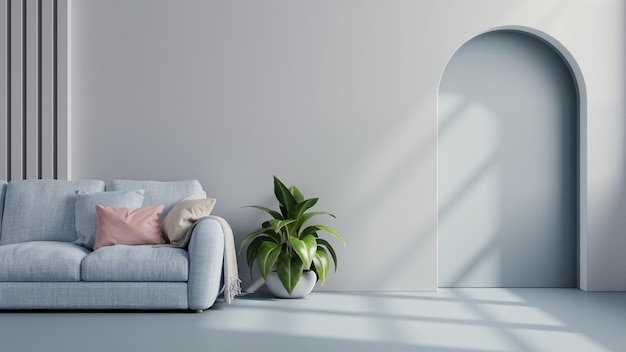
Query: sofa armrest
{"points": [[206, 258]]}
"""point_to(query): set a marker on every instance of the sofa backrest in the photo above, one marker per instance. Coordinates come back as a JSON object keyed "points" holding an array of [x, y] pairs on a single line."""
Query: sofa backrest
{"points": [[42, 210], [158, 192], [3, 189]]}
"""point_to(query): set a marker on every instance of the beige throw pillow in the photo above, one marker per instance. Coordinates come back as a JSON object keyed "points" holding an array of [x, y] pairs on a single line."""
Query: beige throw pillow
{"points": [[183, 215]]}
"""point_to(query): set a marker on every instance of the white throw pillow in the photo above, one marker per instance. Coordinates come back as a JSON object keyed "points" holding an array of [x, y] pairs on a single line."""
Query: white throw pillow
{"points": [[183, 215]]}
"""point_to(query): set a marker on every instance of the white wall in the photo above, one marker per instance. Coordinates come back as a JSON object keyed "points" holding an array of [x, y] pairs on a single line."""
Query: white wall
{"points": [[338, 97]]}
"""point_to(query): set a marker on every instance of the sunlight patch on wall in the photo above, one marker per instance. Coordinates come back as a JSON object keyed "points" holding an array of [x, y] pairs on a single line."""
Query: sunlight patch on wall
{"points": [[469, 129]]}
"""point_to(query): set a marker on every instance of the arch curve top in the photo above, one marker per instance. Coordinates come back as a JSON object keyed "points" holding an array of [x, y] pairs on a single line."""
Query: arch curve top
{"points": [[552, 42]]}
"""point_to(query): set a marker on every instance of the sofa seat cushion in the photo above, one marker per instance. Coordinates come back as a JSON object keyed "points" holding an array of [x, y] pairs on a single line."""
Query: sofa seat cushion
{"points": [[136, 263], [41, 261]]}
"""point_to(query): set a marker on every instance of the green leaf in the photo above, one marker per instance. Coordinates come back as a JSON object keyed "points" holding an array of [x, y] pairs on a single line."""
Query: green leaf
{"points": [[253, 250], [253, 247], [275, 236], [297, 195], [251, 254], [283, 195], [330, 249], [259, 240], [322, 264], [314, 228], [332, 231], [267, 256], [289, 270], [311, 243], [283, 211], [252, 235], [292, 228], [307, 216], [270, 231], [308, 231], [304, 248], [280, 224], [298, 210], [273, 213]]}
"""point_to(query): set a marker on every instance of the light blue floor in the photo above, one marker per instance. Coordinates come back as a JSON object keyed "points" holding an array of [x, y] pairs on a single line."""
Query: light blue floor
{"points": [[448, 320]]}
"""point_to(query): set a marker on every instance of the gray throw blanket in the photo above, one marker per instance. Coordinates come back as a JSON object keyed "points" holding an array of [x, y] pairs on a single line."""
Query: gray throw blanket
{"points": [[232, 283]]}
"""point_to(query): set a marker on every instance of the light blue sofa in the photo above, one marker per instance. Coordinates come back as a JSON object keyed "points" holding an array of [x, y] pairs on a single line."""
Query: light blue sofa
{"points": [[42, 268]]}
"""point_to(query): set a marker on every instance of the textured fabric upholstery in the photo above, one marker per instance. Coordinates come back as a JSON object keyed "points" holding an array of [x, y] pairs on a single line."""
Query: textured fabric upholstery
{"points": [[41, 269], [3, 188], [41, 261], [42, 210], [136, 263], [157, 192], [206, 257], [86, 211], [93, 295]]}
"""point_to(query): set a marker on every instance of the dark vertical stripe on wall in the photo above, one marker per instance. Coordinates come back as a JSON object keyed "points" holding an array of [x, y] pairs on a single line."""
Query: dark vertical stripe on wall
{"points": [[24, 90], [55, 92], [39, 90], [34, 129], [9, 98]]}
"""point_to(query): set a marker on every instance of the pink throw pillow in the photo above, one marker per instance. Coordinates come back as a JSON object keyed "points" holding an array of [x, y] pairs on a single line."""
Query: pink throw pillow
{"points": [[128, 226]]}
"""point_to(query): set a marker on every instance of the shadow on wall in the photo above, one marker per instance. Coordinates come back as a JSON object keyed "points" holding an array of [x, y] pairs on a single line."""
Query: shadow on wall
{"points": [[508, 165]]}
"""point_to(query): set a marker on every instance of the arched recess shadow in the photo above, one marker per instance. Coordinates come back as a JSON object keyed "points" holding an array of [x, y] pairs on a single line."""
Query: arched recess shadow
{"points": [[503, 220]]}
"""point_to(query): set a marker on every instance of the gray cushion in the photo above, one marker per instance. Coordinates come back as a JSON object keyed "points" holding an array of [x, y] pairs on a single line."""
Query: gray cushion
{"points": [[42, 210], [86, 211], [157, 192], [3, 188], [136, 263], [41, 261]]}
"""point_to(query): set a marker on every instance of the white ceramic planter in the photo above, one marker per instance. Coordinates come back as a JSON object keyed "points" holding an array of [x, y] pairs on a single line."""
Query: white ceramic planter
{"points": [[303, 287]]}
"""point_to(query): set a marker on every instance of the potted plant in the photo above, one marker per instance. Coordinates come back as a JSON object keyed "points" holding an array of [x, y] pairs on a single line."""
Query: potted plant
{"points": [[285, 247]]}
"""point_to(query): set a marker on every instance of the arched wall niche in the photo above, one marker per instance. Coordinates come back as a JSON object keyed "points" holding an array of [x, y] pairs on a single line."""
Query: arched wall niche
{"points": [[581, 110]]}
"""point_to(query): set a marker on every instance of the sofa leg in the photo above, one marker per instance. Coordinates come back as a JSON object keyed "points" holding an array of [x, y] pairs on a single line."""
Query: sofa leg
{"points": [[199, 310]]}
